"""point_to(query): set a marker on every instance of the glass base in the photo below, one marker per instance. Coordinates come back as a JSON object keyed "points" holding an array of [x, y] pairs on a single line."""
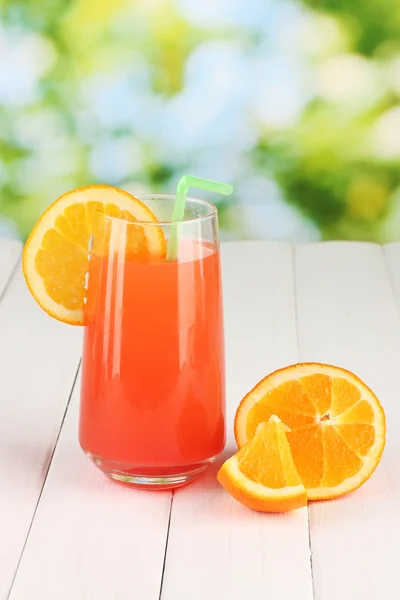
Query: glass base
{"points": [[150, 478]]}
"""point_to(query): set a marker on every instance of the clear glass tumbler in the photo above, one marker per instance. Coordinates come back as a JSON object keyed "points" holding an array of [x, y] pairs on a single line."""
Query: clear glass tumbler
{"points": [[153, 373]]}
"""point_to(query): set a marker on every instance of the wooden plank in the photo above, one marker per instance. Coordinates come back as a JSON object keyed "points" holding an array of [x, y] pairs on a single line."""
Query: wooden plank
{"points": [[218, 548], [92, 539], [347, 316], [39, 358], [10, 251]]}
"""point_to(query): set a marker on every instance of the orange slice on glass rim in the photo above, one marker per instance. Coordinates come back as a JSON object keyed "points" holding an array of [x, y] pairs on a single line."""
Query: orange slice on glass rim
{"points": [[337, 425], [55, 257], [262, 475]]}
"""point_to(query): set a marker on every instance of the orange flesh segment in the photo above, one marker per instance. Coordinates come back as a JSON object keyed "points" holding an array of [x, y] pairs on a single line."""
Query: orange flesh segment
{"points": [[262, 475], [344, 395], [307, 450], [340, 462], [318, 389], [358, 436], [361, 412], [267, 459]]}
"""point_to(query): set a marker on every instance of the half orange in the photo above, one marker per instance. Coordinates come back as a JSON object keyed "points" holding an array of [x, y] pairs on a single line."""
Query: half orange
{"points": [[337, 425], [55, 257]]}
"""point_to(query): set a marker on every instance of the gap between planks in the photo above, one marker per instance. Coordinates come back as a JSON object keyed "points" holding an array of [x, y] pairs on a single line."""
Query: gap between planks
{"points": [[296, 317], [15, 255], [166, 545]]}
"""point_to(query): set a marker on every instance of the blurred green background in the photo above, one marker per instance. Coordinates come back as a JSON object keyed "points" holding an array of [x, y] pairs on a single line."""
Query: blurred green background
{"points": [[295, 103]]}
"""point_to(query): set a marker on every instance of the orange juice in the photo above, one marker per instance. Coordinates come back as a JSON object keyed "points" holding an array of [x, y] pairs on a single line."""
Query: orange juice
{"points": [[153, 380]]}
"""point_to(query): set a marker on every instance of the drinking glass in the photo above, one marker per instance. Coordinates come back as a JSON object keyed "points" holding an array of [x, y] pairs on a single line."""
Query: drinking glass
{"points": [[153, 374]]}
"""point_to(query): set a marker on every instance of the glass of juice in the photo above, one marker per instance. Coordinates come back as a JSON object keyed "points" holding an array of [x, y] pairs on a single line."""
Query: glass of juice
{"points": [[153, 374]]}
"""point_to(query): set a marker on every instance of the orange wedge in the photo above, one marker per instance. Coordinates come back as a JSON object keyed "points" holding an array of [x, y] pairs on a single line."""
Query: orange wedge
{"points": [[262, 475], [55, 258], [337, 425]]}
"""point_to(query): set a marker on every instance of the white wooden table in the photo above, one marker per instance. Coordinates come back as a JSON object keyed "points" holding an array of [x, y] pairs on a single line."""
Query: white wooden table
{"points": [[68, 533]]}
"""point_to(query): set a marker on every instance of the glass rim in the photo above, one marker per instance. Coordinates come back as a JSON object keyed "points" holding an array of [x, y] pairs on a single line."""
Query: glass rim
{"points": [[212, 214]]}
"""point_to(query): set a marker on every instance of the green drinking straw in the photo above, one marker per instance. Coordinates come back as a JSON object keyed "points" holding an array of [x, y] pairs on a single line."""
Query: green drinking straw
{"points": [[182, 189]]}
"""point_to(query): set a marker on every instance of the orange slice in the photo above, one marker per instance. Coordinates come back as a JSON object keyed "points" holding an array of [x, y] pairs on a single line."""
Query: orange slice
{"points": [[262, 475], [55, 258], [337, 425]]}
